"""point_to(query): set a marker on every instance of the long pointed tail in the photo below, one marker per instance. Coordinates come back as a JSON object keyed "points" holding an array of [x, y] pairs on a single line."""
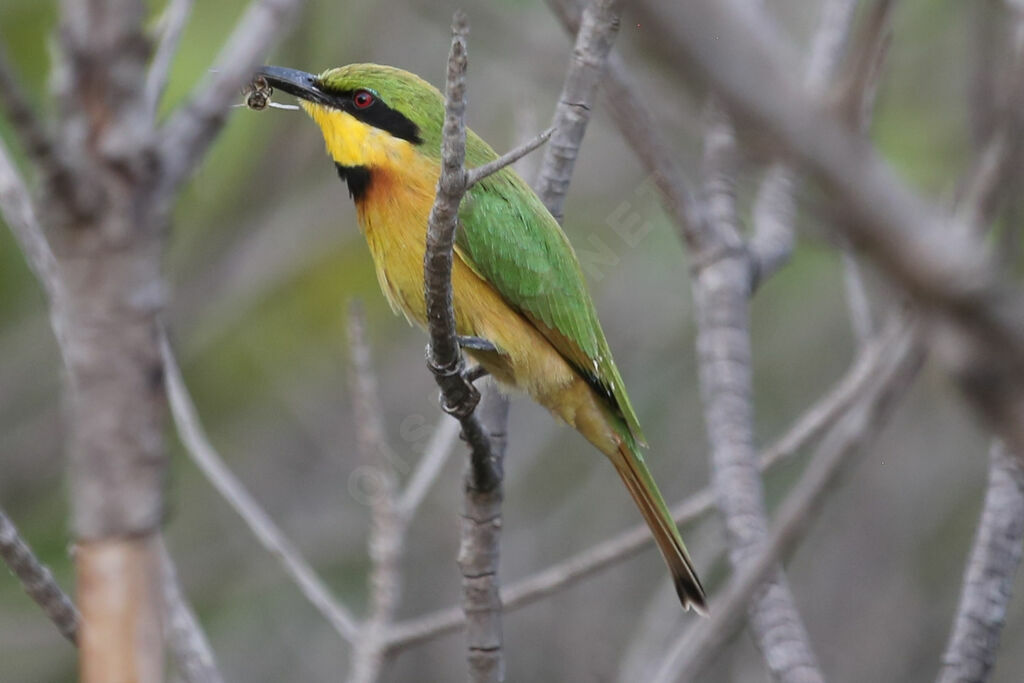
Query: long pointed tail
{"points": [[631, 467]]}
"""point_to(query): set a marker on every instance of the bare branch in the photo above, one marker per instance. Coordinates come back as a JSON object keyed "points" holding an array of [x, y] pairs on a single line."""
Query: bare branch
{"points": [[988, 581], [192, 653], [635, 121], [775, 208], [953, 277], [849, 389], [210, 463], [699, 645], [475, 175], [481, 516], [721, 287], [857, 304], [37, 580], [193, 127], [19, 213], [26, 121], [478, 551], [598, 28], [444, 357], [170, 25], [994, 169], [438, 449], [388, 525]]}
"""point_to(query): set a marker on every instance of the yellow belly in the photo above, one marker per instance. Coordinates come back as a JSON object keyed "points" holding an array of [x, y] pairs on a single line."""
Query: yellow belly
{"points": [[393, 217]]}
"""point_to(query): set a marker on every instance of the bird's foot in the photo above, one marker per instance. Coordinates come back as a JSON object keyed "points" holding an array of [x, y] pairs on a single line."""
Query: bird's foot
{"points": [[475, 373], [476, 344]]}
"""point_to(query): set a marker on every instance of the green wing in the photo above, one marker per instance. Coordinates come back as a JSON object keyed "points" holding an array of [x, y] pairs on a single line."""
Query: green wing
{"points": [[511, 240]]}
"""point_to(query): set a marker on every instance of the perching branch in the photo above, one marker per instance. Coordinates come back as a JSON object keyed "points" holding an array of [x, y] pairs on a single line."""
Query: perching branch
{"points": [[988, 583], [37, 580], [459, 396], [598, 28], [821, 415], [481, 517], [702, 641], [198, 446]]}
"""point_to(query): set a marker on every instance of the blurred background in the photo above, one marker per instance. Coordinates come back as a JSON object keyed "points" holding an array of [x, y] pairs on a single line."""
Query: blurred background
{"points": [[265, 258]]}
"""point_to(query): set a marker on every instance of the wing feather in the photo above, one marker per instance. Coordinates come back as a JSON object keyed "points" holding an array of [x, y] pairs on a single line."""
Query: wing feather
{"points": [[510, 239]]}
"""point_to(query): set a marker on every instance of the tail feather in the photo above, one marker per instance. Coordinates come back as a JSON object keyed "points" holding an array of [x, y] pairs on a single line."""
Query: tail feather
{"points": [[645, 493]]}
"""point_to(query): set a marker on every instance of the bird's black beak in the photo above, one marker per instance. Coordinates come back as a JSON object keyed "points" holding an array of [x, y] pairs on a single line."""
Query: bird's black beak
{"points": [[294, 82]]}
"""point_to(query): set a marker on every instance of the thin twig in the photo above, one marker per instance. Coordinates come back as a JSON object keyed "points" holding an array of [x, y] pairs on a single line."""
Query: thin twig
{"points": [[858, 305], [192, 653], [198, 446], [19, 213], [993, 168], [171, 25], [481, 515], [37, 580], [699, 645], [628, 108], [26, 121], [598, 28], [429, 466], [388, 525], [775, 208], [988, 581], [193, 127], [807, 428], [475, 175]]}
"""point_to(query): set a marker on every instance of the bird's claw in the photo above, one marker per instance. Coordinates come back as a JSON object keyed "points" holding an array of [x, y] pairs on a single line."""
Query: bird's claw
{"points": [[476, 344]]}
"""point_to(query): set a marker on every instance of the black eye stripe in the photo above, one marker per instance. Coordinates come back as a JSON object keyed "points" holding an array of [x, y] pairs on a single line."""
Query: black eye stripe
{"points": [[377, 114]]}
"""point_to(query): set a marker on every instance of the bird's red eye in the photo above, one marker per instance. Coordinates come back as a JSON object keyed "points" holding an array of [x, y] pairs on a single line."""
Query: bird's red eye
{"points": [[362, 99]]}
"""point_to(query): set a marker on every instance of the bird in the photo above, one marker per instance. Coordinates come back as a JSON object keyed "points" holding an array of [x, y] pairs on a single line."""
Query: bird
{"points": [[517, 284]]}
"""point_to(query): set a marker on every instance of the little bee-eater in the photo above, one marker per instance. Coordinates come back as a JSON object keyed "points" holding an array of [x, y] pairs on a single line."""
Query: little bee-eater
{"points": [[515, 278]]}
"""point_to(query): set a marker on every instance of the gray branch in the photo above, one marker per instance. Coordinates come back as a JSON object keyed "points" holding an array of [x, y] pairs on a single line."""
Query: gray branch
{"points": [[598, 29], [37, 580], [721, 287], [190, 649], [438, 449], [198, 446], [775, 208], [388, 525], [988, 582], [636, 123], [29, 126], [699, 645], [481, 516]]}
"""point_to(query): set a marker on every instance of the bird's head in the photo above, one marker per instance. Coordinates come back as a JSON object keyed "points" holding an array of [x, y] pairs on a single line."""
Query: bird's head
{"points": [[371, 116]]}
